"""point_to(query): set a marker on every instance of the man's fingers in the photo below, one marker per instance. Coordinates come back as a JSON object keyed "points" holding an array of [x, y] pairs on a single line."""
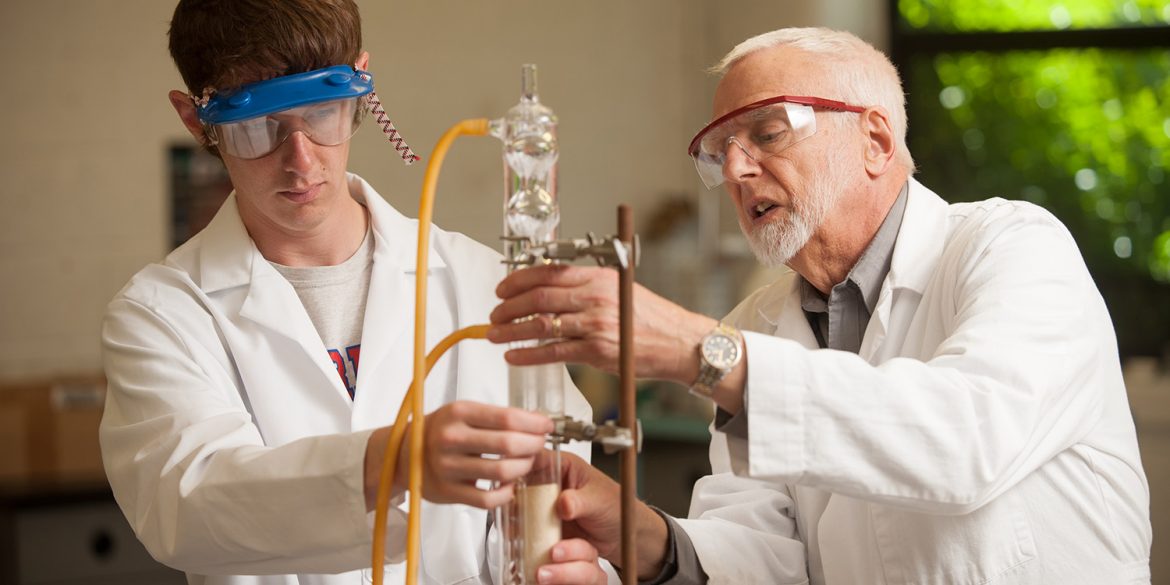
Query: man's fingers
{"points": [[574, 549], [545, 299], [571, 573], [539, 327], [472, 468], [573, 561], [568, 506], [487, 416], [580, 351], [541, 354], [545, 275], [467, 494], [553, 289], [473, 441]]}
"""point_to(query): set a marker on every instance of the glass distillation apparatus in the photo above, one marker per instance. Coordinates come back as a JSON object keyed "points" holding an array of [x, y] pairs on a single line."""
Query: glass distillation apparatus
{"points": [[529, 525]]}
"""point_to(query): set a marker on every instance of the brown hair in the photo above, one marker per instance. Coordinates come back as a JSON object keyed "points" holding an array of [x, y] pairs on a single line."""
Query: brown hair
{"points": [[224, 44]]}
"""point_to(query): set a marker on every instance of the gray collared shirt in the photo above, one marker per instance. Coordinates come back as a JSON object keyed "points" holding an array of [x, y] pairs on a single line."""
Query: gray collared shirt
{"points": [[839, 322]]}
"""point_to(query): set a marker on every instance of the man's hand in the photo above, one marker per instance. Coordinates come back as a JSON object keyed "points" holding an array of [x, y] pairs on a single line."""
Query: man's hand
{"points": [[590, 507], [574, 562], [456, 438], [585, 301], [578, 307]]}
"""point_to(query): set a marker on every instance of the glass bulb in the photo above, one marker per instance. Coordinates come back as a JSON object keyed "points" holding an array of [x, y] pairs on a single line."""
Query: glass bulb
{"points": [[532, 212]]}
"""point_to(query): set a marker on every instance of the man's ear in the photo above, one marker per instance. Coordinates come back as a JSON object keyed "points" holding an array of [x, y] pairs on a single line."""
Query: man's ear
{"points": [[363, 62], [879, 140], [186, 110]]}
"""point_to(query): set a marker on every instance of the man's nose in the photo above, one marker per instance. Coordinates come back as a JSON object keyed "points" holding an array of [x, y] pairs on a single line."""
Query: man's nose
{"points": [[739, 163], [297, 152]]}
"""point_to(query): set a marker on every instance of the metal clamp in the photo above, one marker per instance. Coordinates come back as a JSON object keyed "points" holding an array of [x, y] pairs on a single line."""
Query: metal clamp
{"points": [[607, 251], [611, 437]]}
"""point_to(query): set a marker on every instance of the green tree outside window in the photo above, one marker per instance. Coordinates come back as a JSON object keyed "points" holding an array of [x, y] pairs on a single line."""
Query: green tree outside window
{"points": [[1084, 132]]}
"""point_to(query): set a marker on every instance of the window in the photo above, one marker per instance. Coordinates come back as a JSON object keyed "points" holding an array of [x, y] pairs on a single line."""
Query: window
{"points": [[1063, 104]]}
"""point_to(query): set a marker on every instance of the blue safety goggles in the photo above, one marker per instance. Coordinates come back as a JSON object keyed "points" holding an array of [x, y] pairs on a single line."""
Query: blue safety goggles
{"points": [[327, 105]]}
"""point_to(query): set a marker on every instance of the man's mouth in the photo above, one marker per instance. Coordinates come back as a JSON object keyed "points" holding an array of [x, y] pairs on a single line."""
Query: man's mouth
{"points": [[761, 209], [301, 193]]}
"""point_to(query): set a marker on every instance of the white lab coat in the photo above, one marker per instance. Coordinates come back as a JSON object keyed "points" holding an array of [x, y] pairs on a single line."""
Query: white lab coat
{"points": [[228, 438], [982, 435]]}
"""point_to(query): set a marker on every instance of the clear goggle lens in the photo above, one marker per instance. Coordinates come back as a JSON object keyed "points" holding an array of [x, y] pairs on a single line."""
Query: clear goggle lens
{"points": [[760, 132], [327, 124]]}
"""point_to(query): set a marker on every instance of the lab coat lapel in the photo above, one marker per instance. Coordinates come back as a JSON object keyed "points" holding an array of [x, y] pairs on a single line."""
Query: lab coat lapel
{"points": [[384, 371], [916, 251], [786, 314], [273, 305], [385, 368], [269, 308]]}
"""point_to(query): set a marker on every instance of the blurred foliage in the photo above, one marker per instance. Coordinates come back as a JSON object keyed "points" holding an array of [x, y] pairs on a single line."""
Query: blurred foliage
{"points": [[1013, 15], [1084, 133]]}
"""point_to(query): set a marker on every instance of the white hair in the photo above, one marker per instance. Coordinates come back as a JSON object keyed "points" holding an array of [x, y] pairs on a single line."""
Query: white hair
{"points": [[864, 76]]}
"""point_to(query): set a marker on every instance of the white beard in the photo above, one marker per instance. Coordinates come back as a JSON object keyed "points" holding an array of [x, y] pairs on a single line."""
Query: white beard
{"points": [[776, 242]]}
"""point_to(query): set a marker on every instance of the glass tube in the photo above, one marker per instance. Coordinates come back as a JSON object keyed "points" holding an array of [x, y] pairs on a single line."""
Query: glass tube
{"points": [[528, 525], [529, 134]]}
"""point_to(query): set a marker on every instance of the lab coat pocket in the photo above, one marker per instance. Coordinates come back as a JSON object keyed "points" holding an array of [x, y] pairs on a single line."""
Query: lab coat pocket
{"points": [[974, 548]]}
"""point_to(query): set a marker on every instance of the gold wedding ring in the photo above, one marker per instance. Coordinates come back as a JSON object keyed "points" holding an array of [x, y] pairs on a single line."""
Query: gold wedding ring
{"points": [[556, 326]]}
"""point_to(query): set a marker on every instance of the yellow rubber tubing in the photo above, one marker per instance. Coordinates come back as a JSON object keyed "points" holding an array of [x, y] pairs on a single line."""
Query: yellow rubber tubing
{"points": [[473, 127], [397, 432]]}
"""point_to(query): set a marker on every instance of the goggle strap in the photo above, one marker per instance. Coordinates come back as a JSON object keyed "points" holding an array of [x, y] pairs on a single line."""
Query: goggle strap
{"points": [[201, 102], [392, 134]]}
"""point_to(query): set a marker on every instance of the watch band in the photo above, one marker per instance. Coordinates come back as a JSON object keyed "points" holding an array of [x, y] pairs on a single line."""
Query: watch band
{"points": [[704, 385]]}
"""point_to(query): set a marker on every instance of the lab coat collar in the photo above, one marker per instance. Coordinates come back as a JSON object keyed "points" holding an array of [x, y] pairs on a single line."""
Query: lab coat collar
{"points": [[791, 318], [227, 252], [779, 313], [919, 245], [916, 253], [396, 236], [230, 250]]}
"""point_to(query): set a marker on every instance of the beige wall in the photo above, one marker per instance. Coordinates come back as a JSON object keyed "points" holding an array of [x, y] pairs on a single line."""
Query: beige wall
{"points": [[85, 117], [87, 124]]}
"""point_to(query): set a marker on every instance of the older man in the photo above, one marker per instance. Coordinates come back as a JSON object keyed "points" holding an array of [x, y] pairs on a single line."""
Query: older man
{"points": [[932, 395]]}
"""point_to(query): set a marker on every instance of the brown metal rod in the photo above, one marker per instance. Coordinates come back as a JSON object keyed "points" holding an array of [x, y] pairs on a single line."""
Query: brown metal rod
{"points": [[627, 415]]}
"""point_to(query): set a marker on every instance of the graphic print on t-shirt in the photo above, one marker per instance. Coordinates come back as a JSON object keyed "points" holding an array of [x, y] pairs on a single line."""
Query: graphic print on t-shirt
{"points": [[347, 366]]}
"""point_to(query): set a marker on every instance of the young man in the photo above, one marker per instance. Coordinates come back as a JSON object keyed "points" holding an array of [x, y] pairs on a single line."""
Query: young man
{"points": [[931, 395], [240, 436]]}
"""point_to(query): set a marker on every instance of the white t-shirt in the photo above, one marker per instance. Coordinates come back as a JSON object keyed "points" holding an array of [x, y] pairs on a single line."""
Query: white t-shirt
{"points": [[335, 299]]}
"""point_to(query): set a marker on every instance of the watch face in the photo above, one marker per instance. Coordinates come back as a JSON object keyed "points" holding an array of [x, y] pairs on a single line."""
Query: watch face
{"points": [[720, 351]]}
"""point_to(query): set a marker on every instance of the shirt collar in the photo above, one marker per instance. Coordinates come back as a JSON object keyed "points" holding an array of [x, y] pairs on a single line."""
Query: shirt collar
{"points": [[870, 271]]}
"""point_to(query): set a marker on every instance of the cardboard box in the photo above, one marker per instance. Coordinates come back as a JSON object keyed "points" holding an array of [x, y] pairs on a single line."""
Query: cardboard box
{"points": [[49, 430]]}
